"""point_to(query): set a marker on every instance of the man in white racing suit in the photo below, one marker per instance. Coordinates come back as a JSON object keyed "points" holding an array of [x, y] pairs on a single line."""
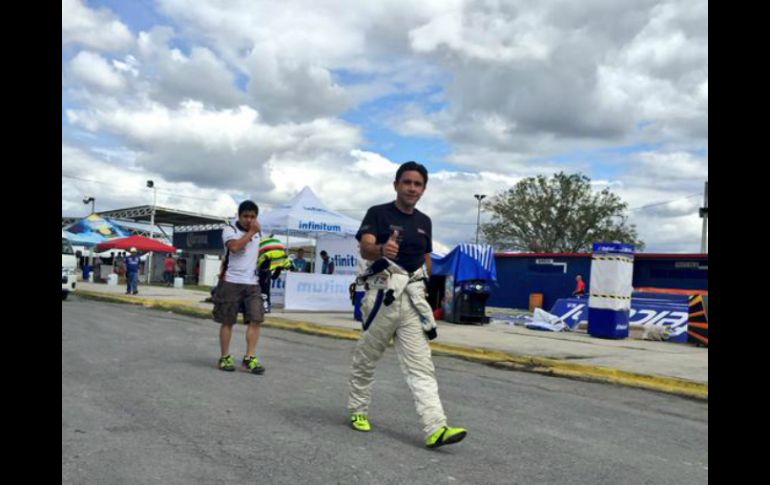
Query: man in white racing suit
{"points": [[397, 238]]}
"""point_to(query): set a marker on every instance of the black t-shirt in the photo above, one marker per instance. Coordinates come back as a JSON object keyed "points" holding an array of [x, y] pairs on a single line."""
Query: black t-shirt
{"points": [[415, 232]]}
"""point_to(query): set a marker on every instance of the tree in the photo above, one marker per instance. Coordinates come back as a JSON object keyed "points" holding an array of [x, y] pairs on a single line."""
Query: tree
{"points": [[557, 214]]}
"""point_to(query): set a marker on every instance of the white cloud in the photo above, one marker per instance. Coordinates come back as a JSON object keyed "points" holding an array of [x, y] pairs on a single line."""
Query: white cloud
{"points": [[292, 90], [568, 74], [93, 70], [227, 147], [672, 234], [87, 173], [94, 29], [292, 52], [412, 121], [677, 165], [373, 163], [130, 65], [676, 173], [674, 41], [173, 77], [483, 34]]}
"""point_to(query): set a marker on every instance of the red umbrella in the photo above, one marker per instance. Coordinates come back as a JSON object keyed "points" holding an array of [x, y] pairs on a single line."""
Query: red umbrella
{"points": [[141, 243]]}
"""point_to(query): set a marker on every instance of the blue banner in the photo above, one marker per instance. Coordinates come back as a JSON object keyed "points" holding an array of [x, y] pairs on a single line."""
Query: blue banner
{"points": [[604, 247], [93, 230], [672, 312]]}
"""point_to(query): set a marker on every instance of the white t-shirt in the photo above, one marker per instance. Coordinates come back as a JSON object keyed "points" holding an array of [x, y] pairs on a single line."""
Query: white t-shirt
{"points": [[242, 267]]}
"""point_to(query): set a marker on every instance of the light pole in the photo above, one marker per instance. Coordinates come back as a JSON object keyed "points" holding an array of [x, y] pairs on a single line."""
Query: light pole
{"points": [[151, 185], [478, 215], [704, 214], [93, 210], [93, 203]]}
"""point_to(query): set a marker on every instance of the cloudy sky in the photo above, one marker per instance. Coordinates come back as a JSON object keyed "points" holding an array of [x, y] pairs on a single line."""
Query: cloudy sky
{"points": [[218, 101]]}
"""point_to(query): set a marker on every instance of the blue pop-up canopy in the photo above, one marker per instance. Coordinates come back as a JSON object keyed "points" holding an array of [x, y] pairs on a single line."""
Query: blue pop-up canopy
{"points": [[467, 262], [93, 230]]}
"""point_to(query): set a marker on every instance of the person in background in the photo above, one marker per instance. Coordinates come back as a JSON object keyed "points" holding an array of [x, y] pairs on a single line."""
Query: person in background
{"points": [[580, 287], [328, 265], [120, 267], [238, 288], [168, 269], [132, 272], [300, 264]]}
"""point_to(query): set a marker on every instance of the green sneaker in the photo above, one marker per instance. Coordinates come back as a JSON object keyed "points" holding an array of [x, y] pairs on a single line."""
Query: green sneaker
{"points": [[445, 436], [252, 365], [360, 422], [227, 363]]}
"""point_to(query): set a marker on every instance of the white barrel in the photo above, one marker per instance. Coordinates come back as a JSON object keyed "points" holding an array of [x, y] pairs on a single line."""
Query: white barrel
{"points": [[609, 301]]}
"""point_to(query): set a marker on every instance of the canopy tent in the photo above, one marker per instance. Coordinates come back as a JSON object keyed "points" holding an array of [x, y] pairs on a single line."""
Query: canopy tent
{"points": [[141, 243], [93, 230], [89, 252], [111, 253], [305, 215], [467, 262]]}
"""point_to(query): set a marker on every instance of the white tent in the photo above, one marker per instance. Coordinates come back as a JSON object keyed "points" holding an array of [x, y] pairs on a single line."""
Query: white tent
{"points": [[306, 216]]}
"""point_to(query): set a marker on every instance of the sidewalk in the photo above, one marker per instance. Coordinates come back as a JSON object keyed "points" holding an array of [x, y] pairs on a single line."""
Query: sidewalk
{"points": [[667, 367]]}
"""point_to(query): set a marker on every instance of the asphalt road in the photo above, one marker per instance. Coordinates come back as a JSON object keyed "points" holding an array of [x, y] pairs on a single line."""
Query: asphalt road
{"points": [[143, 402]]}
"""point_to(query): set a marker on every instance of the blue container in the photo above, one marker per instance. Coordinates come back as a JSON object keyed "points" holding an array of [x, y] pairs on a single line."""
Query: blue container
{"points": [[607, 323]]}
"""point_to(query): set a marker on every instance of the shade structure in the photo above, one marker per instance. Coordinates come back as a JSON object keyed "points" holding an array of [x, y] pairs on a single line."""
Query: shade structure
{"points": [[141, 243]]}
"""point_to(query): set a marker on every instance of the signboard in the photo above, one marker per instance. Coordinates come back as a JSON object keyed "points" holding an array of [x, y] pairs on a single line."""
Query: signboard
{"points": [[199, 240], [317, 292], [643, 311]]}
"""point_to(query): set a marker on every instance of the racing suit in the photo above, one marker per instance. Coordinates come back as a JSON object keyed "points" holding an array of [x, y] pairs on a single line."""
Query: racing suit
{"points": [[395, 306]]}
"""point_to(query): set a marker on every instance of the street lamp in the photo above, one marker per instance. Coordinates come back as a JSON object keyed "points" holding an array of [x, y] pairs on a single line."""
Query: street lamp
{"points": [[93, 210], [92, 201], [151, 184], [478, 215], [703, 212]]}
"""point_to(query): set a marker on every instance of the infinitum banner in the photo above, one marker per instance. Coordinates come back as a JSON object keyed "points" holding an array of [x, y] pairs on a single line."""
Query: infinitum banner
{"points": [[305, 291]]}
